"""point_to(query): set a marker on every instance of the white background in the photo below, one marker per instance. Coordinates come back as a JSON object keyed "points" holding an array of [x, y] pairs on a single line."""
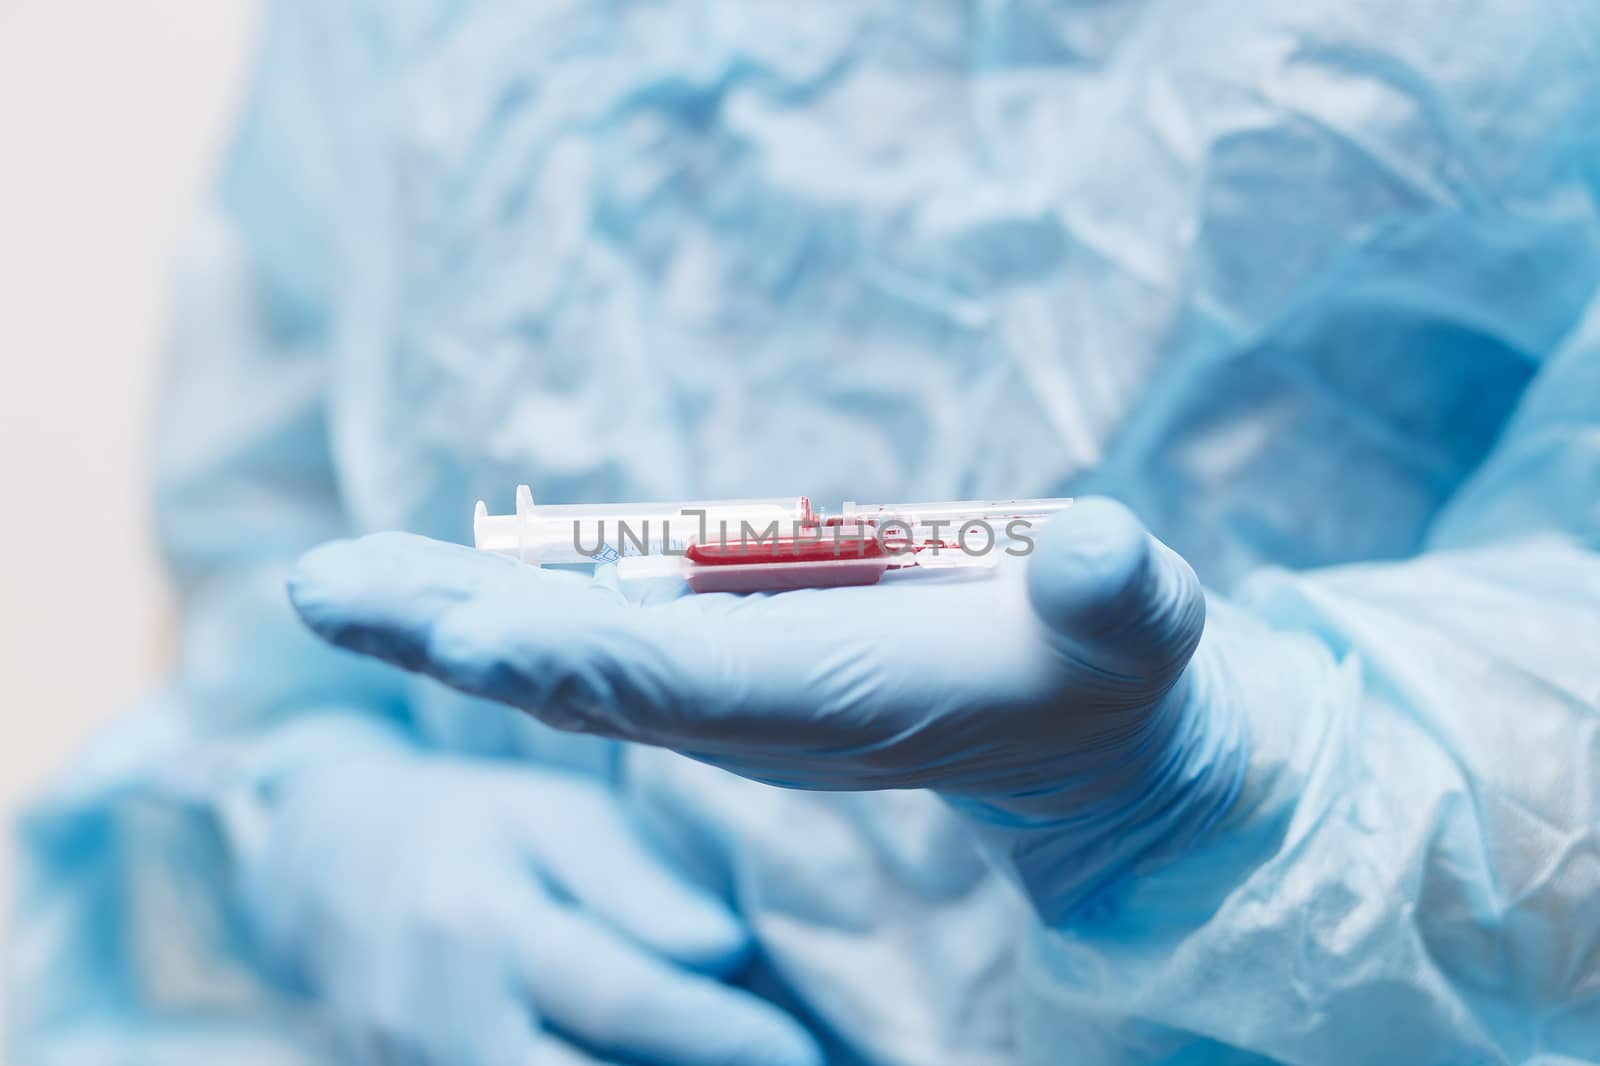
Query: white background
{"points": [[111, 117]]}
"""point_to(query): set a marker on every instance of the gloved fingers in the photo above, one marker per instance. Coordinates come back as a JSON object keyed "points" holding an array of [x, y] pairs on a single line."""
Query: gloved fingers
{"points": [[1115, 600], [506, 1034], [581, 842], [373, 595], [503, 1030], [605, 994], [478, 622], [573, 653], [548, 1050], [469, 1016]]}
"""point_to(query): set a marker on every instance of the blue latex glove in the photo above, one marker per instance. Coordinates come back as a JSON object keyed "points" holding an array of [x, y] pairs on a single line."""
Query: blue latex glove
{"points": [[457, 912], [1051, 702]]}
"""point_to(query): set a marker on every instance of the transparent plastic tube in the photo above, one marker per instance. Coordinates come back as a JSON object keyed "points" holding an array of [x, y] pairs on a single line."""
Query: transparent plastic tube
{"points": [[589, 533], [938, 526]]}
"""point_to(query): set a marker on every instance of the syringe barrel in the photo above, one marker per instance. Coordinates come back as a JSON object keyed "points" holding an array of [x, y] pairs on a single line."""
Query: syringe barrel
{"points": [[952, 511], [949, 522], [584, 533]]}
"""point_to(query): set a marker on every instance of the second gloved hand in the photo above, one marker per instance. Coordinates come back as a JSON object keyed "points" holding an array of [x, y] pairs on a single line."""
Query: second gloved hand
{"points": [[1056, 703], [462, 913]]}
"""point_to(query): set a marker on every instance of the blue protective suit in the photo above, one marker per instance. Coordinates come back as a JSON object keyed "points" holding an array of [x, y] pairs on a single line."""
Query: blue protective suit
{"points": [[1312, 289]]}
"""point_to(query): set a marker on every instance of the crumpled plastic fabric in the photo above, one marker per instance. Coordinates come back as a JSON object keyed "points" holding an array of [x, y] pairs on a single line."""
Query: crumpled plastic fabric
{"points": [[1305, 285]]}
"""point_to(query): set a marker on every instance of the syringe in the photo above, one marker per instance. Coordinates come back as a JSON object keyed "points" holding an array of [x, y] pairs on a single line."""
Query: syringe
{"points": [[588, 533], [765, 545]]}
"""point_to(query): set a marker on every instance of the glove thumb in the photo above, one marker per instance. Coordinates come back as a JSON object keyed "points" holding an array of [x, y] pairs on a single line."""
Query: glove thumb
{"points": [[1116, 600]]}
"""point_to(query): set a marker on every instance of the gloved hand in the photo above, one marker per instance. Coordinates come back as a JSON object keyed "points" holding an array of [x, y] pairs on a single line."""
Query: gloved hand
{"points": [[1056, 702], [460, 913]]}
